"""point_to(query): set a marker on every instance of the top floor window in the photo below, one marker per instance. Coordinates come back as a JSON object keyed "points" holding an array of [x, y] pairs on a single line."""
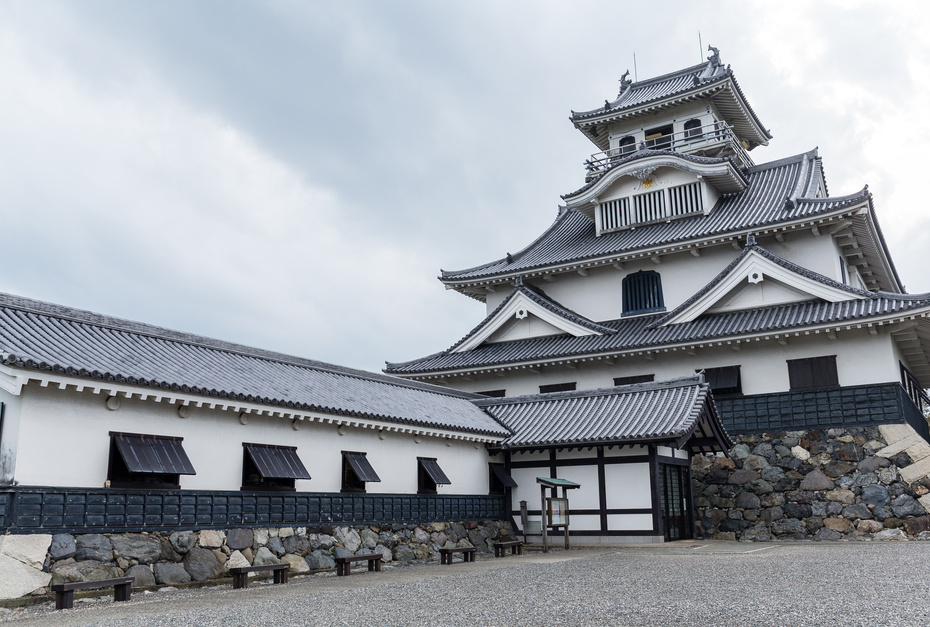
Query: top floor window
{"points": [[659, 138], [692, 128], [642, 293], [627, 145]]}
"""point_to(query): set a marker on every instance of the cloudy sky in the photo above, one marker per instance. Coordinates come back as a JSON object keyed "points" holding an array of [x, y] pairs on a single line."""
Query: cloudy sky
{"points": [[293, 174]]}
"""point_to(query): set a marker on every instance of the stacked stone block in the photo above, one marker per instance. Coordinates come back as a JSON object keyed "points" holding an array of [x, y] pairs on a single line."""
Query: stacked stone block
{"points": [[819, 484], [182, 557]]}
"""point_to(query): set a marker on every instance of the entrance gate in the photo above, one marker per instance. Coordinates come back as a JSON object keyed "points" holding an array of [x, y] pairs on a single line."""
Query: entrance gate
{"points": [[675, 502]]}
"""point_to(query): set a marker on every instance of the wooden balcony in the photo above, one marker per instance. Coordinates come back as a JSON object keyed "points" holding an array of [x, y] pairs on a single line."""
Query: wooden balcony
{"points": [[712, 140]]}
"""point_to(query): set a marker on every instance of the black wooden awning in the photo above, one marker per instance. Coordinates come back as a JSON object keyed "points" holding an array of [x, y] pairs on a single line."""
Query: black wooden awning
{"points": [[361, 467], [722, 378], [153, 454], [434, 471], [503, 476], [276, 462]]}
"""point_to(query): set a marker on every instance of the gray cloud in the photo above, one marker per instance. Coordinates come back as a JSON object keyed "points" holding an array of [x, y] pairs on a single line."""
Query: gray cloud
{"points": [[293, 175]]}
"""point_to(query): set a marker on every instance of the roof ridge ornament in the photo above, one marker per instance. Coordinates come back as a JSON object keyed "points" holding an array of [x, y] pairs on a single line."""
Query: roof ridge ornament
{"points": [[750, 240], [625, 83], [714, 58]]}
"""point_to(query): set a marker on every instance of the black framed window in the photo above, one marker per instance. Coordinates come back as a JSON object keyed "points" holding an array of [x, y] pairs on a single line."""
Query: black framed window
{"points": [[356, 471], [636, 378], [813, 373], [429, 475], [270, 467], [147, 461], [659, 138], [499, 479], [725, 381], [693, 128], [494, 393], [627, 145], [642, 293], [558, 387]]}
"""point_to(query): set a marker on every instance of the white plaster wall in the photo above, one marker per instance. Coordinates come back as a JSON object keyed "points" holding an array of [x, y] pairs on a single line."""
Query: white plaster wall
{"points": [[861, 359], [530, 456], [580, 522], [637, 126], [625, 451], [577, 453], [629, 522], [9, 435], [628, 487], [64, 441], [515, 329], [527, 489], [587, 496]]}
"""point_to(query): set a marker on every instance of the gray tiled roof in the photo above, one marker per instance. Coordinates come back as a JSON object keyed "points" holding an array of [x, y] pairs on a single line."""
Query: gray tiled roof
{"points": [[658, 412], [647, 332], [572, 237], [41, 336], [692, 81]]}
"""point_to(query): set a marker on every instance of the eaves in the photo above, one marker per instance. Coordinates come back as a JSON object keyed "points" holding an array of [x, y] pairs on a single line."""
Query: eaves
{"points": [[693, 245], [873, 325], [14, 380]]}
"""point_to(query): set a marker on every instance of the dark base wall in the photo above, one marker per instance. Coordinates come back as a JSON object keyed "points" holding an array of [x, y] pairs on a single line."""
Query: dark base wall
{"points": [[815, 484], [97, 510]]}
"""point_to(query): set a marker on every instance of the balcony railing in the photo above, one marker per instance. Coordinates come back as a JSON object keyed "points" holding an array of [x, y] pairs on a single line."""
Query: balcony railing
{"points": [[717, 139]]}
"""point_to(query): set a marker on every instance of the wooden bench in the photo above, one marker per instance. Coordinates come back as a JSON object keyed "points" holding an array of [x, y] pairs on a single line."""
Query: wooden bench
{"points": [[344, 564], [468, 554], [64, 592], [500, 548], [241, 574]]}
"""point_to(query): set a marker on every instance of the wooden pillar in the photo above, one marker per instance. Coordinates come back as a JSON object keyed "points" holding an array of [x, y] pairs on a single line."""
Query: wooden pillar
{"points": [[544, 518]]}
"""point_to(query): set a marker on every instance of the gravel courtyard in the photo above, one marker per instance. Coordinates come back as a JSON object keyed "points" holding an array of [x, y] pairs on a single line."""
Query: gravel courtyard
{"points": [[698, 583]]}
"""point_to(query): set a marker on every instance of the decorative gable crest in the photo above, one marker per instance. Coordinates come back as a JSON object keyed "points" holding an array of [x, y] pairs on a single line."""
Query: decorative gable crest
{"points": [[524, 303], [754, 267]]}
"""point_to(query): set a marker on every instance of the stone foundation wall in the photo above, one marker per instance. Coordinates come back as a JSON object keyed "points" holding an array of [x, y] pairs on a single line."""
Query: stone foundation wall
{"points": [[181, 557], [830, 484]]}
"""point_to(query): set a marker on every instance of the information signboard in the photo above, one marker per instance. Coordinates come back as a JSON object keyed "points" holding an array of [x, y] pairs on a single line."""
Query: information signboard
{"points": [[558, 512]]}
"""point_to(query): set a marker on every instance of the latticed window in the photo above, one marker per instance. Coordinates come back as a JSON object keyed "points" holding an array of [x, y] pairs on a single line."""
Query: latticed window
{"points": [[642, 293], [627, 145], [693, 128]]}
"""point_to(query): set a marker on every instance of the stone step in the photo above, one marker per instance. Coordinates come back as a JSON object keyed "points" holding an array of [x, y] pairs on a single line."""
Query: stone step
{"points": [[916, 472], [918, 451], [893, 433], [901, 445]]}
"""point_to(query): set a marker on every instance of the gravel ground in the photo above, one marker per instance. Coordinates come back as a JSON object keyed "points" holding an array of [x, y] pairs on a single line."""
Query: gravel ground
{"points": [[699, 584]]}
